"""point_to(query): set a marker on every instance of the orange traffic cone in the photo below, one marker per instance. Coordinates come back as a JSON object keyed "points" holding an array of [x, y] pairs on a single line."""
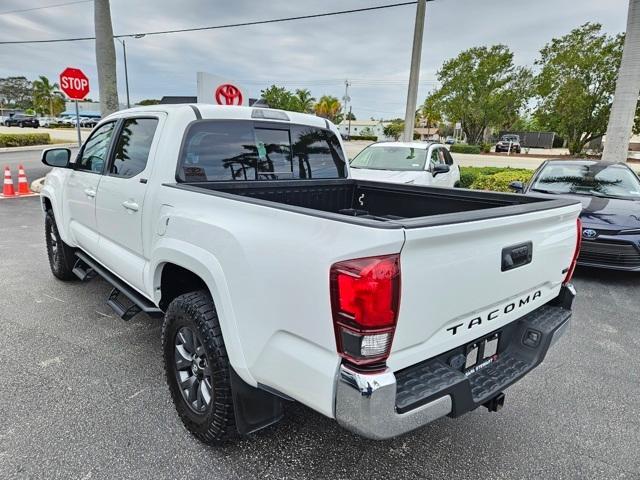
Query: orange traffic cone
{"points": [[23, 184], [7, 187]]}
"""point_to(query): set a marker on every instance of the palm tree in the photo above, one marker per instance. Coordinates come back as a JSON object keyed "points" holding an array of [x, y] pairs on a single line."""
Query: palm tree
{"points": [[45, 94], [330, 108], [304, 100], [105, 57], [625, 100]]}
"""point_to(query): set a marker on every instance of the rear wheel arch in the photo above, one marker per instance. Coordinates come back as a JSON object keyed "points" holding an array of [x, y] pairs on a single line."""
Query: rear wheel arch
{"points": [[177, 272]]}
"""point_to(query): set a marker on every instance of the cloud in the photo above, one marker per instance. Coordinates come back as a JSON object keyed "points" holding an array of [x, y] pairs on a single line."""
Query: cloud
{"points": [[371, 49]]}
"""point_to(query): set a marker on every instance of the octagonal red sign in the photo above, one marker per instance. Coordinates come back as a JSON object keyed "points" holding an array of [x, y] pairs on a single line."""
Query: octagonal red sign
{"points": [[74, 83]]}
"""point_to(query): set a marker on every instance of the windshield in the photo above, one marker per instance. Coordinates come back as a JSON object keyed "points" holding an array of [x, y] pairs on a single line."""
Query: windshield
{"points": [[391, 158], [600, 179], [510, 138]]}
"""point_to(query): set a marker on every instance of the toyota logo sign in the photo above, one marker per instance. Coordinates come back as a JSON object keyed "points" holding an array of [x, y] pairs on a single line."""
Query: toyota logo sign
{"points": [[589, 233], [227, 94]]}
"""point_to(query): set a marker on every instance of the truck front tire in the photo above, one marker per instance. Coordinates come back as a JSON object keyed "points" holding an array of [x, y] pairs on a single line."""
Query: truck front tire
{"points": [[197, 368], [61, 255]]}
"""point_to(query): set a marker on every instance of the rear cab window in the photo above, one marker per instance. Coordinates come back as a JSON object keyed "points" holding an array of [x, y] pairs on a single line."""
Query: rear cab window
{"points": [[230, 150]]}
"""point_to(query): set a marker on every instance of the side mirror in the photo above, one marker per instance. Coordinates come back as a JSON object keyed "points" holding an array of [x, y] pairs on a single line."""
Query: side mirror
{"points": [[56, 157], [517, 186], [440, 168]]}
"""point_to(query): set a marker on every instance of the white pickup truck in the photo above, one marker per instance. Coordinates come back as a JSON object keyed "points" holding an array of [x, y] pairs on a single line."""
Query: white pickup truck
{"points": [[280, 278]]}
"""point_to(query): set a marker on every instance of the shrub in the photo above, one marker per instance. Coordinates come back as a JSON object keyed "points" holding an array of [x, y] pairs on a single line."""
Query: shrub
{"points": [[372, 138], [468, 175], [499, 182], [486, 147], [23, 139], [462, 148]]}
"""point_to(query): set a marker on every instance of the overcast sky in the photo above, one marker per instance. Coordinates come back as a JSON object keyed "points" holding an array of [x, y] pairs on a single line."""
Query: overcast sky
{"points": [[371, 49]]}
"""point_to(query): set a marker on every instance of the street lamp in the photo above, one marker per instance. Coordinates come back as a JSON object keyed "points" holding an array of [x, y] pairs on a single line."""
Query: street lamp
{"points": [[126, 73]]}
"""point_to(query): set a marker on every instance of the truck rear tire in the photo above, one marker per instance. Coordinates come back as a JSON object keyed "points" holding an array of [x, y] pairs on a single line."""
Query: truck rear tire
{"points": [[61, 255], [197, 368]]}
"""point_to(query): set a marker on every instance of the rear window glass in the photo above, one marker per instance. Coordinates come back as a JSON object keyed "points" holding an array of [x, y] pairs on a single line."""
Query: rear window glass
{"points": [[248, 150]]}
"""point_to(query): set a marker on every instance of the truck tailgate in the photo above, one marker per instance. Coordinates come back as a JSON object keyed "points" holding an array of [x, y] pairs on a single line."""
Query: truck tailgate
{"points": [[457, 284]]}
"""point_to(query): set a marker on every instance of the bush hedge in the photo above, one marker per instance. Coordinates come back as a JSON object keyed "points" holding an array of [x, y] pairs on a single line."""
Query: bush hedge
{"points": [[468, 175], [372, 138], [23, 139], [499, 182], [462, 148]]}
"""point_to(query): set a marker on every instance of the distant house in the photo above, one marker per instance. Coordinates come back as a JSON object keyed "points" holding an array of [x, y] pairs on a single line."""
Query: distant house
{"points": [[364, 127], [426, 134]]}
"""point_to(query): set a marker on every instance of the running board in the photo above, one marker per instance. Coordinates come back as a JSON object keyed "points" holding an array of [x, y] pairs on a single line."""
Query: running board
{"points": [[89, 267]]}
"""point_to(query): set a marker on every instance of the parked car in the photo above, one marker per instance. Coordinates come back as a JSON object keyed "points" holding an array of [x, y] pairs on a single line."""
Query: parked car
{"points": [[416, 163], [450, 141], [280, 278], [47, 121], [22, 121], [507, 142], [610, 197], [88, 122]]}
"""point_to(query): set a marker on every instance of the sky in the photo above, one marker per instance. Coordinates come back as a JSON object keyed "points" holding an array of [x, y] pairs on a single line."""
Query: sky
{"points": [[371, 49]]}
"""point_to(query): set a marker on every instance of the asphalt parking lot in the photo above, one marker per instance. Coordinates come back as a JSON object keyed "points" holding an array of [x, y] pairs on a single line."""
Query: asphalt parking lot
{"points": [[82, 395]]}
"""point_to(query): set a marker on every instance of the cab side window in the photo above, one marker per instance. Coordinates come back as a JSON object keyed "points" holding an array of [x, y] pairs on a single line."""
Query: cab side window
{"points": [[447, 156], [133, 146], [95, 151]]}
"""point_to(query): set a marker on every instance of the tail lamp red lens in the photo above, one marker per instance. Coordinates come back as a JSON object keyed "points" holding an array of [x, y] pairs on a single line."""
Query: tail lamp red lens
{"points": [[574, 261], [365, 297]]}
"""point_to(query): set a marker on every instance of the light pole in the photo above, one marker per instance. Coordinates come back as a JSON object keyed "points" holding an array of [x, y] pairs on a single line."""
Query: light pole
{"points": [[126, 72]]}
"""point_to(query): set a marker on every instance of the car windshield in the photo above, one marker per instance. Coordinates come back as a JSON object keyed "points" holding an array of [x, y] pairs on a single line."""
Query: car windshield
{"points": [[510, 138], [391, 158], [599, 179]]}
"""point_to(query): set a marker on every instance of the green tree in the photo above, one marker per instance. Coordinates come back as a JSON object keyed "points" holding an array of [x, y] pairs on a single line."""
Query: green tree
{"points": [[480, 88], [303, 101], [280, 98], [149, 101], [330, 108], [47, 97], [576, 83], [394, 129], [352, 117], [16, 92]]}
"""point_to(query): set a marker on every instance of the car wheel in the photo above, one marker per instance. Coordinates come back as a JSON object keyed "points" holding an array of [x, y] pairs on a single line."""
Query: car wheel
{"points": [[197, 368], [61, 255]]}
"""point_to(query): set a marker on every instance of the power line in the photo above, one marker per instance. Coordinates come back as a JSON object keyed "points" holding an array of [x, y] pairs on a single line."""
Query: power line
{"points": [[218, 27], [24, 10]]}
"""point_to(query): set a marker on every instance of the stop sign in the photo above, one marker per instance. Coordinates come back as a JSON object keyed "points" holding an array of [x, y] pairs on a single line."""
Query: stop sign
{"points": [[74, 83]]}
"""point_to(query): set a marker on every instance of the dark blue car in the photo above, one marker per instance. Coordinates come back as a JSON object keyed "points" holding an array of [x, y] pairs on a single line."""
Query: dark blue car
{"points": [[610, 196]]}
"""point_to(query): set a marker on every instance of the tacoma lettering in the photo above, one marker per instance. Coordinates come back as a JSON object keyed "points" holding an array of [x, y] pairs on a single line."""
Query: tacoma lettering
{"points": [[493, 314]]}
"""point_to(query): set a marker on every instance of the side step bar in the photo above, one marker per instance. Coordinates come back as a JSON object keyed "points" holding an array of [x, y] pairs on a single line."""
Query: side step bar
{"points": [[86, 267]]}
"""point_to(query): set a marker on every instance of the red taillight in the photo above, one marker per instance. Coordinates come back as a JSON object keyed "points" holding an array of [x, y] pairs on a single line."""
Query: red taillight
{"points": [[572, 267], [365, 297]]}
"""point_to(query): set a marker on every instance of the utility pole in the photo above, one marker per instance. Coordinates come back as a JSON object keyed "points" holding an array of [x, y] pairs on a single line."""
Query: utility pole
{"points": [[126, 73], [625, 99], [105, 58], [346, 97], [414, 74], [349, 129]]}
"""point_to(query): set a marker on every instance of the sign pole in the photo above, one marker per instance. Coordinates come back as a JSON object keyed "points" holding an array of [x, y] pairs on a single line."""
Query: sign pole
{"points": [[78, 124]]}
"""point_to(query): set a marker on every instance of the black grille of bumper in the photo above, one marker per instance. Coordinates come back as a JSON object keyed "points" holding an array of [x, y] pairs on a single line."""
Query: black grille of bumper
{"points": [[609, 254]]}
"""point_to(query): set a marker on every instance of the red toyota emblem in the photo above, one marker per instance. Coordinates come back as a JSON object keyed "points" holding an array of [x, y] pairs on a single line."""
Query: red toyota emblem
{"points": [[227, 94]]}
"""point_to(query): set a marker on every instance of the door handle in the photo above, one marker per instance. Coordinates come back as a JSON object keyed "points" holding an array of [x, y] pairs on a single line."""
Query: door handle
{"points": [[90, 192], [130, 205]]}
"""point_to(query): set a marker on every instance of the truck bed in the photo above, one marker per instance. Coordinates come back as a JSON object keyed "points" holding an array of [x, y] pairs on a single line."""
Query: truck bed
{"points": [[376, 204]]}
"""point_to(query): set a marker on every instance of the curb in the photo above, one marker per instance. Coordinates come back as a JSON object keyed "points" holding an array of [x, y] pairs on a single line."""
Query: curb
{"points": [[37, 147]]}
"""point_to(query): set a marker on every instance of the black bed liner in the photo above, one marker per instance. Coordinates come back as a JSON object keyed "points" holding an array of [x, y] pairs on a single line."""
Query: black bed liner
{"points": [[375, 204]]}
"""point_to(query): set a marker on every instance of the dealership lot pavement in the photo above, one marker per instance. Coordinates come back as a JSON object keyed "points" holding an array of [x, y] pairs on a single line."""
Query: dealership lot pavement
{"points": [[82, 395]]}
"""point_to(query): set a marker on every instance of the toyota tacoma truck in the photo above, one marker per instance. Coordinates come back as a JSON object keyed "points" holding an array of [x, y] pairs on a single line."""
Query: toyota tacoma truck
{"points": [[279, 278]]}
